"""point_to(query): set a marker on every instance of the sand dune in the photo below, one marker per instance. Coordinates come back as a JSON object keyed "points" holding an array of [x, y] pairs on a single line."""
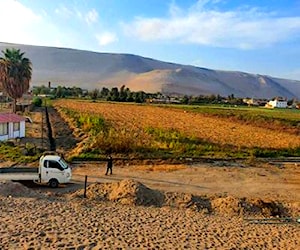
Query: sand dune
{"points": [[90, 70]]}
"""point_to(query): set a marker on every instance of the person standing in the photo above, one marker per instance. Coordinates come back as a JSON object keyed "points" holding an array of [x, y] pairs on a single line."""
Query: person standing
{"points": [[109, 165]]}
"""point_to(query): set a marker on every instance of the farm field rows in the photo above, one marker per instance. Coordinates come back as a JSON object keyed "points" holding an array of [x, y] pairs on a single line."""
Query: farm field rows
{"points": [[135, 120]]}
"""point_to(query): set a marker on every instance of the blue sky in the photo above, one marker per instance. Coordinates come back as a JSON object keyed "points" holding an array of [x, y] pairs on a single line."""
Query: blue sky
{"points": [[256, 36]]}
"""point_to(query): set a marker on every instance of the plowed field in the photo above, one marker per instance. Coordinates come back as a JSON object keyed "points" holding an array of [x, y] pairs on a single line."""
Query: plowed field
{"points": [[135, 118]]}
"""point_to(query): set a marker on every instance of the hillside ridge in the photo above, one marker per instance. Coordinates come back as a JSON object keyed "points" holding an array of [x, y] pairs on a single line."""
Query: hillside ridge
{"points": [[90, 70]]}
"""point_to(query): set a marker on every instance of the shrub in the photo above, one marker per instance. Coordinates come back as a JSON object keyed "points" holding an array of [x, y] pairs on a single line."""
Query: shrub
{"points": [[37, 101]]}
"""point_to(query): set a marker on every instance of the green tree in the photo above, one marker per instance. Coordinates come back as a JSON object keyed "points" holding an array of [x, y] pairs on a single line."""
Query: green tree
{"points": [[59, 92], [104, 92], [130, 96], [44, 90], [36, 90], [37, 101], [15, 74], [94, 94], [114, 94], [123, 94], [76, 91], [185, 99], [139, 96]]}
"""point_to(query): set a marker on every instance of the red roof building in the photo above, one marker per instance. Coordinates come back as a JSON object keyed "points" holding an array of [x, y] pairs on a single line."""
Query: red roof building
{"points": [[11, 126], [11, 117]]}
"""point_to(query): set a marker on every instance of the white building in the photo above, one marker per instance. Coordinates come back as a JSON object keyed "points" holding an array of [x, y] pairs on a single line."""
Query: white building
{"points": [[277, 103], [11, 126]]}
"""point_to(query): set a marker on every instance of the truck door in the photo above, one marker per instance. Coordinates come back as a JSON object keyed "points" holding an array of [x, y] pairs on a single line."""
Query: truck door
{"points": [[52, 169]]}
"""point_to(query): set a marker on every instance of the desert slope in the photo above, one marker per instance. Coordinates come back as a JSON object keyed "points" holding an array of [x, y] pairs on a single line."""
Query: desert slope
{"points": [[86, 69]]}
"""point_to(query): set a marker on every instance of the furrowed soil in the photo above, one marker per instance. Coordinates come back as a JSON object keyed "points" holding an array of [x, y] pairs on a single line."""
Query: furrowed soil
{"points": [[37, 131], [135, 120]]}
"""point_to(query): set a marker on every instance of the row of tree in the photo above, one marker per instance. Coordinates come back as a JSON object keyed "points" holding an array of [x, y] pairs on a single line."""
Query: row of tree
{"points": [[114, 94], [212, 99], [58, 92], [124, 94]]}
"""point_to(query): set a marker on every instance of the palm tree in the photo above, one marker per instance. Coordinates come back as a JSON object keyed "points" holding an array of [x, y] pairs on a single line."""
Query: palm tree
{"points": [[15, 74]]}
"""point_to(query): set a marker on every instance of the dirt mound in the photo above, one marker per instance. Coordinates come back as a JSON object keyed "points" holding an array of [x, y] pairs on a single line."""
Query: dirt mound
{"points": [[266, 207], [227, 205], [128, 192], [232, 205], [134, 192], [293, 208], [16, 189], [183, 200], [131, 192]]}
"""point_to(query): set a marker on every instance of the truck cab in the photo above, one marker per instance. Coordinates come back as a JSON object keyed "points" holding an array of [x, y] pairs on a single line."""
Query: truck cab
{"points": [[54, 170]]}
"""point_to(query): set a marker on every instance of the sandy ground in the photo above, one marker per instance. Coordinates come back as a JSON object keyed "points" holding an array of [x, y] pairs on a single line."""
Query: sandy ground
{"points": [[47, 224], [266, 181], [43, 218]]}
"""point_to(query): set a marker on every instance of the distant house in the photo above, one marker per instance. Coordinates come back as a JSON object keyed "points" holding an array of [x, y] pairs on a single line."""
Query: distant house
{"points": [[11, 126], [277, 103], [25, 103], [164, 99], [255, 102]]}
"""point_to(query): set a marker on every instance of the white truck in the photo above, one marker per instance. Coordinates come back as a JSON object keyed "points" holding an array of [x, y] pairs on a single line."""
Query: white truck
{"points": [[52, 170]]}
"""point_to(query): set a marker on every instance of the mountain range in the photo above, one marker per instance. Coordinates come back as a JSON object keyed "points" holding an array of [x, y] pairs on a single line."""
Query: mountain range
{"points": [[93, 70]]}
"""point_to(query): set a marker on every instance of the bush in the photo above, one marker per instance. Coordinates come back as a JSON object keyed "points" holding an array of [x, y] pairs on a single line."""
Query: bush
{"points": [[37, 101]]}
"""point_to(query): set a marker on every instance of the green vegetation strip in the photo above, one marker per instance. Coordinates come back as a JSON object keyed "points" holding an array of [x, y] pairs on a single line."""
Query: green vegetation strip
{"points": [[10, 152]]}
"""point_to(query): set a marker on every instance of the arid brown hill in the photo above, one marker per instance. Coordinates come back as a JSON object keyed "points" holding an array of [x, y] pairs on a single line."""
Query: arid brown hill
{"points": [[90, 70]]}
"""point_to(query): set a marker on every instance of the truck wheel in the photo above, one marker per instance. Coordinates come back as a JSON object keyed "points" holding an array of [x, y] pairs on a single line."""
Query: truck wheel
{"points": [[53, 183]]}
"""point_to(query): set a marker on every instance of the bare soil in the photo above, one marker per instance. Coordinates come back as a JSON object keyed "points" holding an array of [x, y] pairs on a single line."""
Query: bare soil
{"points": [[252, 180], [37, 131]]}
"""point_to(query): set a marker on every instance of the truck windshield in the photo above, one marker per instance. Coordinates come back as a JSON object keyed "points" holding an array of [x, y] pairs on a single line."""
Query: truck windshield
{"points": [[63, 163]]}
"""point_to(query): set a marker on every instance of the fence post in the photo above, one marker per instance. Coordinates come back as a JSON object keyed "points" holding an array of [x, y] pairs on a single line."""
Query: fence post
{"points": [[85, 183]]}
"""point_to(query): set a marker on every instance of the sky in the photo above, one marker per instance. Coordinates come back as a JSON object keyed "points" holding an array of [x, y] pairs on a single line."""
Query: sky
{"points": [[255, 36]]}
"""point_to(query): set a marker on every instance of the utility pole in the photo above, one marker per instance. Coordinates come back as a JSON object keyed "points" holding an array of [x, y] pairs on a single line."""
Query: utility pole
{"points": [[42, 129]]}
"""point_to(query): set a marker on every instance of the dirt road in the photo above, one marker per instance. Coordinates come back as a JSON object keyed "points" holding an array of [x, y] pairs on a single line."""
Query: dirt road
{"points": [[264, 181]]}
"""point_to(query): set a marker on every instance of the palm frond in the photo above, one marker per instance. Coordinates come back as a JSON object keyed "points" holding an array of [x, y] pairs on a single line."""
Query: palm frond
{"points": [[15, 72]]}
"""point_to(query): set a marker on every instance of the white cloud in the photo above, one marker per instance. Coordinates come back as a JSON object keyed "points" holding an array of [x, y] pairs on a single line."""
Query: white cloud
{"points": [[20, 24], [16, 21], [106, 38], [37, 27], [174, 10], [91, 16], [244, 28], [64, 12]]}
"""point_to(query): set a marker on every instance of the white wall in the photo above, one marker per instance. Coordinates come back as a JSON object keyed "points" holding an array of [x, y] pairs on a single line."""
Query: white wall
{"points": [[3, 137], [14, 134], [278, 104]]}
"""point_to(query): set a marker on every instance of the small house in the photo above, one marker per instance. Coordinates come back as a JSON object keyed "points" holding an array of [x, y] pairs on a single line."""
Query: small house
{"points": [[277, 103], [11, 126]]}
